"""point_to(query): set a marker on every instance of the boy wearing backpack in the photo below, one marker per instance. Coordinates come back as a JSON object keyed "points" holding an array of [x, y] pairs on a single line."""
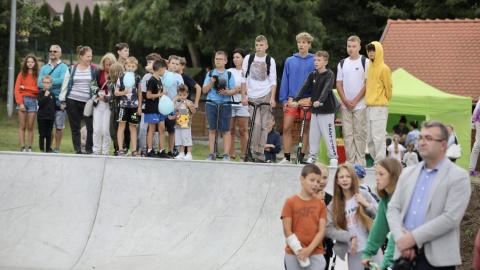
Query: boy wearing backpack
{"points": [[351, 74], [260, 82]]}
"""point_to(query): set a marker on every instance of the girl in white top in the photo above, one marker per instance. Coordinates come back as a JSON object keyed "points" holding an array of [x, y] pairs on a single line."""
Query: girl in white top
{"points": [[410, 158], [350, 217], [240, 113], [396, 149]]}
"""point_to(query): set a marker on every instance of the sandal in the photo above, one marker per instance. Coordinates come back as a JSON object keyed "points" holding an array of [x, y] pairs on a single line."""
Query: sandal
{"points": [[233, 158], [135, 154]]}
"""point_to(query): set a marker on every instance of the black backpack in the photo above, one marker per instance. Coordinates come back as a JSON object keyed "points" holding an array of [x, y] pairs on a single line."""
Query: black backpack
{"points": [[268, 60], [364, 59]]}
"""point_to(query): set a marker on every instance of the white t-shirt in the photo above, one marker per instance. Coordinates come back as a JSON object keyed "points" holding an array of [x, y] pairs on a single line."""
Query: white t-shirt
{"points": [[258, 83], [353, 76], [391, 149], [237, 75], [354, 225]]}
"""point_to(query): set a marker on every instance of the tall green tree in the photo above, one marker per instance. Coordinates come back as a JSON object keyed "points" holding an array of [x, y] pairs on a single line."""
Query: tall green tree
{"points": [[67, 27], [106, 36], [56, 35], [77, 28], [446, 9], [207, 25], [113, 14], [97, 29], [87, 28], [29, 22]]}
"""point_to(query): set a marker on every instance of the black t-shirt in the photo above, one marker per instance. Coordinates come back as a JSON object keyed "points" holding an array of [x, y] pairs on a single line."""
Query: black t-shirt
{"points": [[190, 83], [154, 86], [396, 130]]}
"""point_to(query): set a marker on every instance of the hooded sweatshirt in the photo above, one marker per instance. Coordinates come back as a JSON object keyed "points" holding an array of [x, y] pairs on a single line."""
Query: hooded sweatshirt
{"points": [[379, 80], [295, 72]]}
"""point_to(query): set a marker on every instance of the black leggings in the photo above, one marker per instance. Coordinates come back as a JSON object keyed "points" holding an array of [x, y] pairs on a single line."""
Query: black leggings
{"points": [[45, 130]]}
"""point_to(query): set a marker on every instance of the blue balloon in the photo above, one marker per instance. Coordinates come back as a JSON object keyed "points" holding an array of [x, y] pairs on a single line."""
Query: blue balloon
{"points": [[165, 105], [167, 79], [129, 79]]}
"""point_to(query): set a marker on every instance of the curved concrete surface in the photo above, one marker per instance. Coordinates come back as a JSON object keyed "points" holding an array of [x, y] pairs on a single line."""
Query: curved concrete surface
{"points": [[89, 212]]}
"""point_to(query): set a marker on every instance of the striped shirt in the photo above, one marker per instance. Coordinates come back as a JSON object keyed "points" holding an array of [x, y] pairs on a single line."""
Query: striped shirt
{"points": [[81, 85]]}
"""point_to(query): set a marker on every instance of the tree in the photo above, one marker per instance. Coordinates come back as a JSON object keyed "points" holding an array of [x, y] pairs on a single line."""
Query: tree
{"points": [[56, 35], [67, 27], [97, 29], [105, 35], [207, 25], [88, 28], [446, 9], [29, 22], [77, 28]]}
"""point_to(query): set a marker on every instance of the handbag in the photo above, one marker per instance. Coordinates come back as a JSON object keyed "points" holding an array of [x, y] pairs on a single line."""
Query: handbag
{"points": [[88, 109], [454, 151]]}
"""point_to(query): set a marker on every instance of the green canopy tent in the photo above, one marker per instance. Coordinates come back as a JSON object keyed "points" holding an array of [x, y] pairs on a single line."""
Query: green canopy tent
{"points": [[417, 100]]}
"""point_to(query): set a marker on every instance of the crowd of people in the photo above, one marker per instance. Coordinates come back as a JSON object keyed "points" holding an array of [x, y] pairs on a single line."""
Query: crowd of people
{"points": [[121, 107], [408, 228]]}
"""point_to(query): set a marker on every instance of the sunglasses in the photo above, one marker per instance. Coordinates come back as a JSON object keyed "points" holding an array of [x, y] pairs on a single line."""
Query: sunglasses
{"points": [[53, 51]]}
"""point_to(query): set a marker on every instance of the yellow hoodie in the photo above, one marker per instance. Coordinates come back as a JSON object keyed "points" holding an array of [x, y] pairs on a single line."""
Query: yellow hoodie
{"points": [[379, 80]]}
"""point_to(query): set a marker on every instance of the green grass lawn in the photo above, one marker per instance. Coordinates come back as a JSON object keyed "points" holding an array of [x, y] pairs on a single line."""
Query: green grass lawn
{"points": [[10, 142]]}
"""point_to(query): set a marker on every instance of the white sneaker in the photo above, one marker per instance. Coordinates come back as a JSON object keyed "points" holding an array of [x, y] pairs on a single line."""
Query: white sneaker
{"points": [[333, 162], [285, 161], [188, 157], [180, 156], [310, 160]]}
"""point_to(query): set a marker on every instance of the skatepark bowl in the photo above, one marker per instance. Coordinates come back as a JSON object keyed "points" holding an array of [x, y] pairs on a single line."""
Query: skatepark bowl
{"points": [[97, 212]]}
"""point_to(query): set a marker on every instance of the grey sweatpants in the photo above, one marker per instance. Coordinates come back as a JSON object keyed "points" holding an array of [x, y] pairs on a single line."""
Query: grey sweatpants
{"points": [[317, 261], [321, 125]]}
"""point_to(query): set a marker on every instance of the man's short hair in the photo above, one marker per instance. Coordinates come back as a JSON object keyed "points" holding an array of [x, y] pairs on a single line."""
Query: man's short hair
{"points": [[131, 60], [153, 56], [158, 64], [121, 46], [305, 36], [370, 47], [261, 38], [182, 88], [442, 127], [354, 38], [56, 46], [323, 54], [222, 53], [183, 61], [171, 57]]}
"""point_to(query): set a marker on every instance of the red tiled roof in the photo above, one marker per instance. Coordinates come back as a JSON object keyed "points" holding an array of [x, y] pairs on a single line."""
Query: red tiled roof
{"points": [[442, 53]]}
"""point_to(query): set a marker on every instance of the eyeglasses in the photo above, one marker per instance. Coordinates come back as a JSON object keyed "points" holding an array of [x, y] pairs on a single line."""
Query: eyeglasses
{"points": [[219, 59], [427, 138], [53, 51]]}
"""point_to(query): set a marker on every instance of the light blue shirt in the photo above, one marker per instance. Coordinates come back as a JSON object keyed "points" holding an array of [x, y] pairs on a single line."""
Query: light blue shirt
{"points": [[415, 216], [412, 137], [212, 94]]}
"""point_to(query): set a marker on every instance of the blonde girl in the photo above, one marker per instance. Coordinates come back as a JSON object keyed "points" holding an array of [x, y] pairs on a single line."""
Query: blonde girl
{"points": [[410, 158], [350, 217], [26, 90], [396, 149]]}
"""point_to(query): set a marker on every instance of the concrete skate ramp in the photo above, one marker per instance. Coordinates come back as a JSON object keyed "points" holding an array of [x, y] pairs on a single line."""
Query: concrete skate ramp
{"points": [[88, 212]]}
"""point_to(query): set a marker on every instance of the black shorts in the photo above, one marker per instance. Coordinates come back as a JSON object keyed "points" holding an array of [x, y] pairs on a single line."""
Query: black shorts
{"points": [[128, 115], [170, 125]]}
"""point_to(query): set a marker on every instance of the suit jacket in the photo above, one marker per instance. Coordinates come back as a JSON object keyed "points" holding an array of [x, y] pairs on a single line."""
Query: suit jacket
{"points": [[448, 199]]}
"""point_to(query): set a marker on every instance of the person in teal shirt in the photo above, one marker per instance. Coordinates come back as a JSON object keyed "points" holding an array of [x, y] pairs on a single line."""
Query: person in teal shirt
{"points": [[387, 172]]}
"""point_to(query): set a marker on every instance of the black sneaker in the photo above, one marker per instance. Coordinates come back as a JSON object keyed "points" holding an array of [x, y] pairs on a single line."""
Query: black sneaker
{"points": [[79, 152], [171, 155], [162, 154], [151, 154], [49, 150]]}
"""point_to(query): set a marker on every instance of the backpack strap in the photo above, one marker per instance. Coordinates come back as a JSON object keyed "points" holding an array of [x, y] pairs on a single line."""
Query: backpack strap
{"points": [[364, 59], [210, 73]]}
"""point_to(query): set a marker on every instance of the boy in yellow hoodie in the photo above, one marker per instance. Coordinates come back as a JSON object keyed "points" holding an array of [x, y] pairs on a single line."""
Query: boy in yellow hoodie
{"points": [[378, 94]]}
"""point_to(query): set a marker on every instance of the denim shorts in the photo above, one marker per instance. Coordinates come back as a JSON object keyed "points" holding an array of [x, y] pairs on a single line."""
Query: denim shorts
{"points": [[60, 119], [153, 118], [240, 111], [30, 104], [223, 121]]}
